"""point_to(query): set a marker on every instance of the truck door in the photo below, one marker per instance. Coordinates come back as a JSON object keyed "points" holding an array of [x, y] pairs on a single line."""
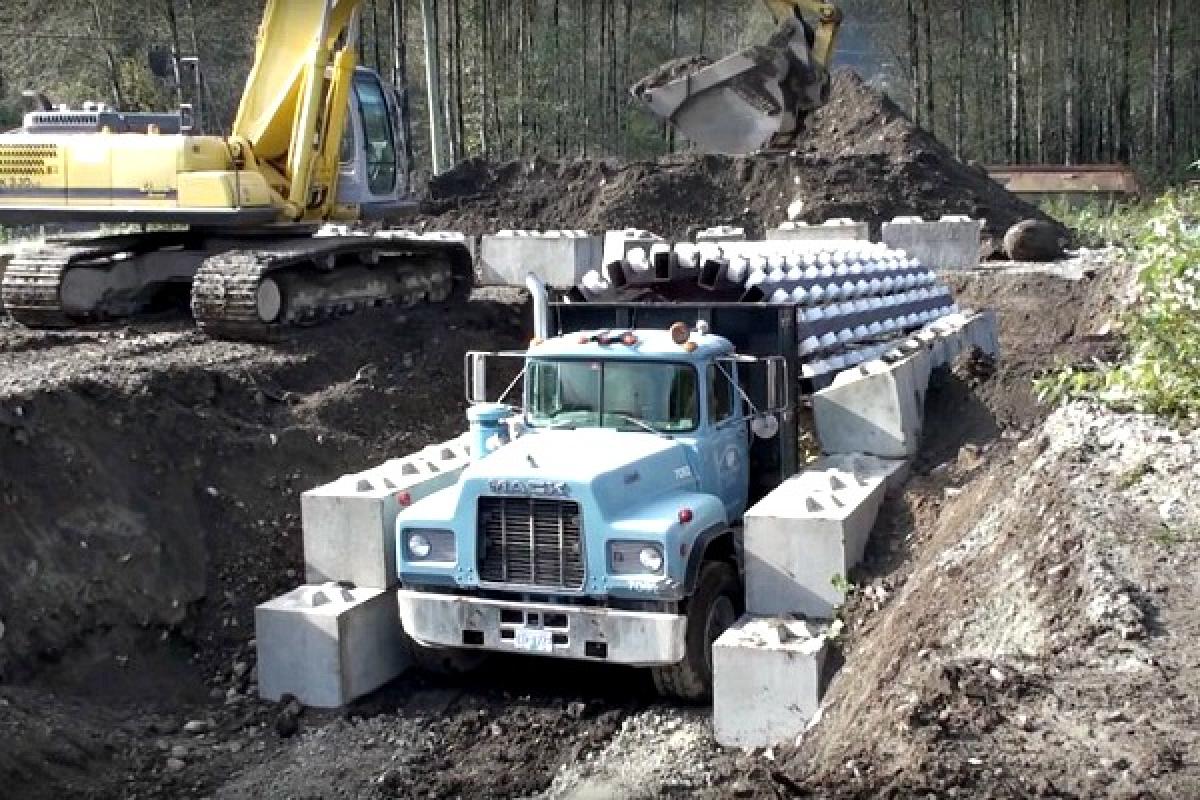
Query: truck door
{"points": [[728, 455]]}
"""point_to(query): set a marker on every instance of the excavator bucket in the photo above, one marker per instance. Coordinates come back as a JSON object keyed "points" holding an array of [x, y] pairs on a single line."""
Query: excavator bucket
{"points": [[751, 101]]}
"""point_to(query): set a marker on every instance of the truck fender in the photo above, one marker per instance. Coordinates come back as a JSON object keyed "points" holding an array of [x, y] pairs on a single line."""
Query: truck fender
{"points": [[718, 541]]}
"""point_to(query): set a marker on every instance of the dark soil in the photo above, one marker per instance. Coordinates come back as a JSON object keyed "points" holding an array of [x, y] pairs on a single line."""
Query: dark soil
{"points": [[861, 158]]}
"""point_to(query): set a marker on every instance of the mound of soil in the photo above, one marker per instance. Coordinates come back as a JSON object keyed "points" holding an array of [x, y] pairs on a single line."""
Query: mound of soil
{"points": [[861, 158]]}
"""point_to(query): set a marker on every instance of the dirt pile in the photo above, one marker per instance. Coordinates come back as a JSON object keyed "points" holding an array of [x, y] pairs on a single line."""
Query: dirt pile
{"points": [[861, 158], [1025, 625]]}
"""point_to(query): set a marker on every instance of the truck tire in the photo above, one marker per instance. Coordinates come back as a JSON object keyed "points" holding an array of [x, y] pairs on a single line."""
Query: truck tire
{"points": [[713, 608]]}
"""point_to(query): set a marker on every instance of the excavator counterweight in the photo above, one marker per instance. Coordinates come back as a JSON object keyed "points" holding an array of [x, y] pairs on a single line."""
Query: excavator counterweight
{"points": [[754, 100]]}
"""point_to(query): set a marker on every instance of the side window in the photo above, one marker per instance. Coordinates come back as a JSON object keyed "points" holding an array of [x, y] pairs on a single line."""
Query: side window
{"points": [[346, 154], [720, 395], [380, 144]]}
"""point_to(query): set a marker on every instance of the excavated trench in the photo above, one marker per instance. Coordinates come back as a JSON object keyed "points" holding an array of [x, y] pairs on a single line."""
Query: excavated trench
{"points": [[151, 478], [150, 482]]}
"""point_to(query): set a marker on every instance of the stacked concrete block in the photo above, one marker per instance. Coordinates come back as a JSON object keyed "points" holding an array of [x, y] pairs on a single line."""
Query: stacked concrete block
{"points": [[328, 645], [812, 529], [559, 258], [766, 681], [6, 254], [349, 524], [721, 233], [952, 242], [830, 230], [876, 408]]}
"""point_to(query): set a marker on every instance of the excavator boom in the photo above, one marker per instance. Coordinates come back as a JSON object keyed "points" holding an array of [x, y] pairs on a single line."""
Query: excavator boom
{"points": [[754, 100]]}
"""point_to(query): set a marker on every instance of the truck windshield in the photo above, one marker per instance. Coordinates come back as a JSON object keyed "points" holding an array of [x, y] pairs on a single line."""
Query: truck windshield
{"points": [[613, 394]]}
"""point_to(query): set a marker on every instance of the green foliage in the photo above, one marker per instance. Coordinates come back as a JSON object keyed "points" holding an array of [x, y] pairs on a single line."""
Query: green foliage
{"points": [[1099, 225], [1160, 373]]}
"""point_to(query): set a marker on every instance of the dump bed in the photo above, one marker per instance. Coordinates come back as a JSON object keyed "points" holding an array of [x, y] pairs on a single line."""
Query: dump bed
{"points": [[755, 329]]}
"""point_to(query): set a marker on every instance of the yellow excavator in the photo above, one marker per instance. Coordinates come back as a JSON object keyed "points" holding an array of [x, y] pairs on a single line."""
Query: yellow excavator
{"points": [[755, 100], [242, 219]]}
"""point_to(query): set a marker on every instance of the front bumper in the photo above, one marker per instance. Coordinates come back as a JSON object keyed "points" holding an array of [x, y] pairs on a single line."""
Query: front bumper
{"points": [[637, 638]]}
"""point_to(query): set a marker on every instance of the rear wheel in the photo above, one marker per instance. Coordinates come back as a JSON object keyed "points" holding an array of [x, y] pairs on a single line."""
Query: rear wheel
{"points": [[713, 609]]}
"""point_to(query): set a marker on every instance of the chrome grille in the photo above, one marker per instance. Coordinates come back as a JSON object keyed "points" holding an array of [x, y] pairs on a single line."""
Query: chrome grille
{"points": [[531, 542]]}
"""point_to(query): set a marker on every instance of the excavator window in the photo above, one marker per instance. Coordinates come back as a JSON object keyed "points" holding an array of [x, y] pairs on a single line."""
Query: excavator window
{"points": [[380, 144]]}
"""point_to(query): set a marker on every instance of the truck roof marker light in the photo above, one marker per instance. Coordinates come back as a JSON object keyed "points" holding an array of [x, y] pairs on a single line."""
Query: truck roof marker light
{"points": [[629, 339], [405, 499], [680, 333], [685, 516], [584, 339], [537, 341], [691, 347]]}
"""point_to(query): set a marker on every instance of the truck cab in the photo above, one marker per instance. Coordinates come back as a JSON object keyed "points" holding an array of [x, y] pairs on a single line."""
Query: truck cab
{"points": [[599, 521]]}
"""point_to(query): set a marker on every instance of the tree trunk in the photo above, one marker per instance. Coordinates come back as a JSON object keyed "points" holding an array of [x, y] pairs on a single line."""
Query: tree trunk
{"points": [[114, 68], [1016, 88], [914, 59], [433, 82], [399, 33], [1124, 107], [928, 91], [173, 27], [960, 96], [1071, 90]]}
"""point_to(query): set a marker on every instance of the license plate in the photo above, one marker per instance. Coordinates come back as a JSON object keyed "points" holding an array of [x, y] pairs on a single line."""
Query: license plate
{"points": [[532, 640]]}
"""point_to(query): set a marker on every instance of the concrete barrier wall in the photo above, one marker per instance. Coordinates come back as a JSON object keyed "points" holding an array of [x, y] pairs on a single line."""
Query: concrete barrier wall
{"points": [[559, 258], [811, 530], [766, 681], [947, 244], [328, 645], [829, 230], [349, 524]]}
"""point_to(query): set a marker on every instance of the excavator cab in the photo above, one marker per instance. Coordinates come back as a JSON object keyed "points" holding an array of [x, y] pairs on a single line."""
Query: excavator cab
{"points": [[373, 171], [754, 100]]}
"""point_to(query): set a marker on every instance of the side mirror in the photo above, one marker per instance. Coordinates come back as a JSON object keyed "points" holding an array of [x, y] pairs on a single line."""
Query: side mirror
{"points": [[778, 385], [476, 377], [503, 371]]}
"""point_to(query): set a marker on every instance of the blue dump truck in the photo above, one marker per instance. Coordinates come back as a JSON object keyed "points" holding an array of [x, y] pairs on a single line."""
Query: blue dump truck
{"points": [[601, 516]]}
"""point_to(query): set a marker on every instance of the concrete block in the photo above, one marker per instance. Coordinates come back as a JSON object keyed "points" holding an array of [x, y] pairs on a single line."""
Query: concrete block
{"points": [[559, 258], [722, 233], [949, 243], [766, 681], [617, 244], [875, 408], [6, 254], [830, 230], [328, 645], [983, 331], [812, 528], [349, 524]]}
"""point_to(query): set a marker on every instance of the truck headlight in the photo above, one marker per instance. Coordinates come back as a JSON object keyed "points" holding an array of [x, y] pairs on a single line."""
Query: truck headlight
{"points": [[429, 544], [652, 559], [635, 558]]}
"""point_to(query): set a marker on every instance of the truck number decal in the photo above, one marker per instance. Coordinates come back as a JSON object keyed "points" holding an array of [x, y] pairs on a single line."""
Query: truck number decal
{"points": [[683, 473], [530, 488]]}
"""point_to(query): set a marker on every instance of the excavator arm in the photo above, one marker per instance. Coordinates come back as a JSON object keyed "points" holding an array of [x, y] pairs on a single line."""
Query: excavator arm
{"points": [[757, 99], [293, 110], [829, 21]]}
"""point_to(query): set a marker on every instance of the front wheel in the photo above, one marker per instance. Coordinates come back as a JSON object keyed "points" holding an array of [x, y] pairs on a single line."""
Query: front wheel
{"points": [[713, 609]]}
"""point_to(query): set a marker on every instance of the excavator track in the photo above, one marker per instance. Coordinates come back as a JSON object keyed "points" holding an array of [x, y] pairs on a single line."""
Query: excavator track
{"points": [[253, 294], [33, 281]]}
